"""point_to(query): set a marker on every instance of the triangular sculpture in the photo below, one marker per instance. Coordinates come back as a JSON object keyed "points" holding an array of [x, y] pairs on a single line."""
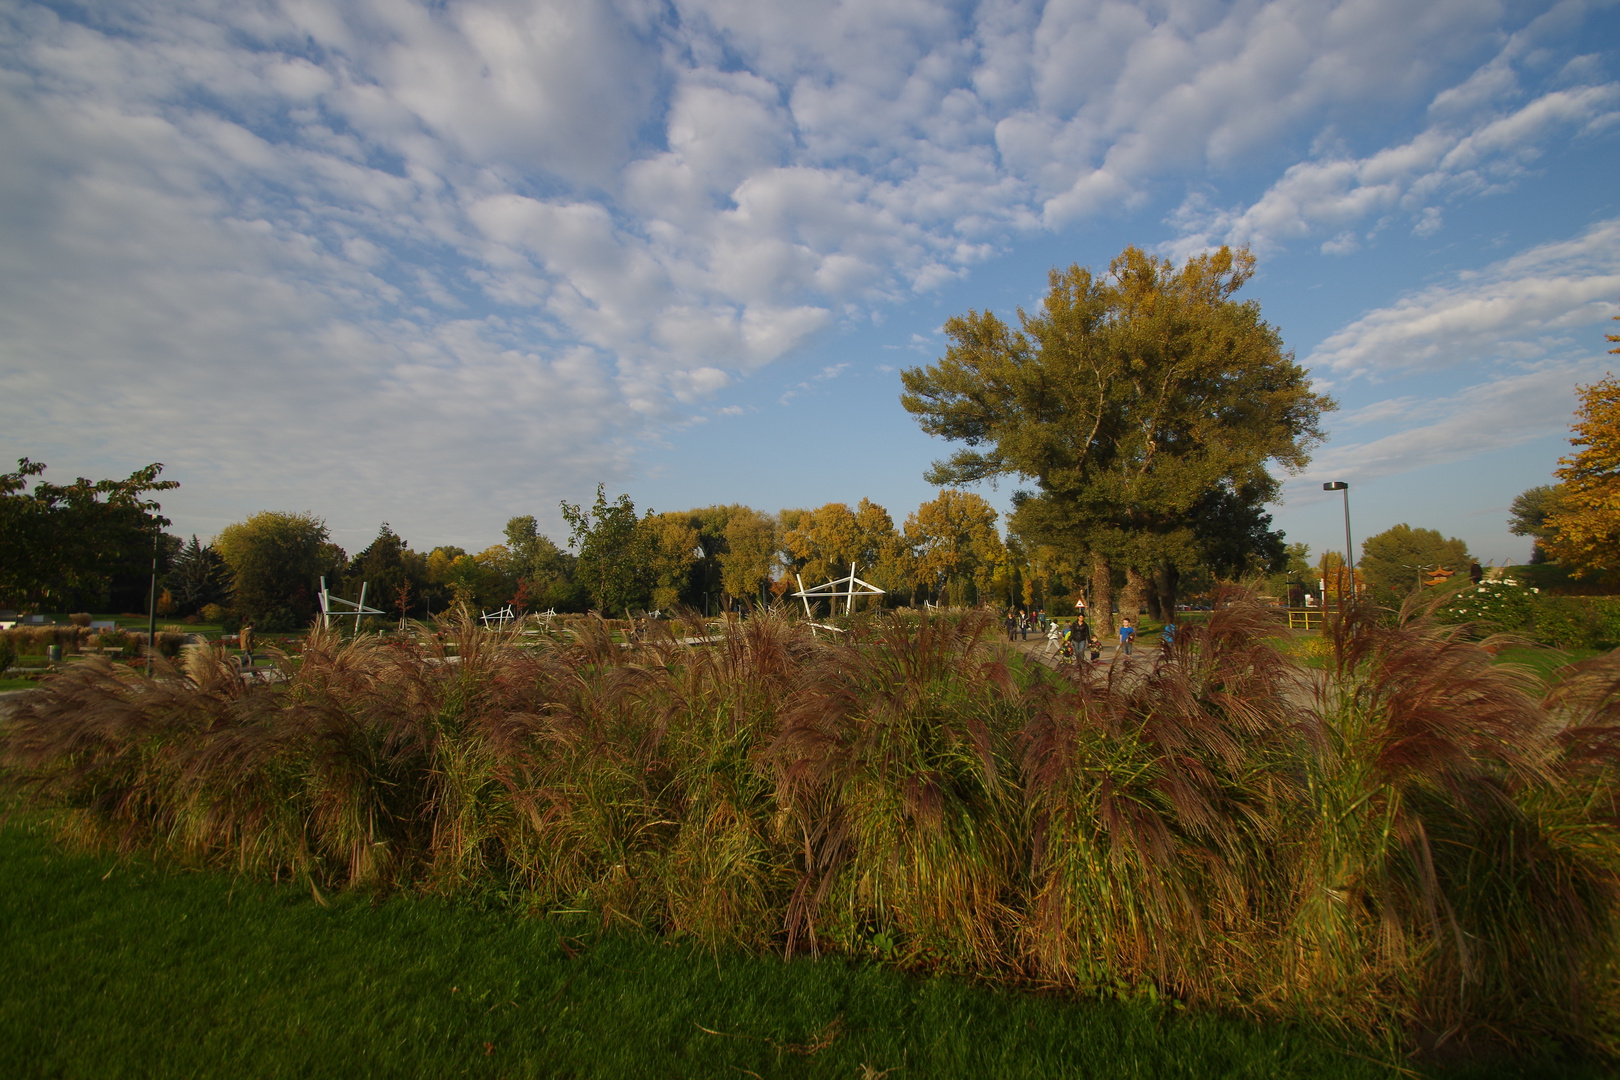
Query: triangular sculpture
{"points": [[336, 606], [846, 588]]}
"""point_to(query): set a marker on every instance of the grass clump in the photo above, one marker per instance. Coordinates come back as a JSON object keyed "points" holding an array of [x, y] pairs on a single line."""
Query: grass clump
{"points": [[1413, 840]]}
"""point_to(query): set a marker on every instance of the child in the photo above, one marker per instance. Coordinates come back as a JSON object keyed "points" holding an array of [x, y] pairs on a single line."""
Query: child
{"points": [[1096, 649], [1127, 635]]}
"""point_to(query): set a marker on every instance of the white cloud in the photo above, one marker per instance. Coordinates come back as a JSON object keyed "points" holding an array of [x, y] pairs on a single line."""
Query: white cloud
{"points": [[361, 241], [1496, 414], [1521, 308], [1475, 144]]}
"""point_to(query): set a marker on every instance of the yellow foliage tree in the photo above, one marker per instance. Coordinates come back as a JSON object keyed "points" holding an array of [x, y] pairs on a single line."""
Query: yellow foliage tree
{"points": [[672, 546], [956, 545], [1584, 530]]}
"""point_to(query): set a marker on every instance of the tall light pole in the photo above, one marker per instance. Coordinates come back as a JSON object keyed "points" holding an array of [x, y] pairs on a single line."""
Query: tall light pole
{"points": [[1349, 550]]}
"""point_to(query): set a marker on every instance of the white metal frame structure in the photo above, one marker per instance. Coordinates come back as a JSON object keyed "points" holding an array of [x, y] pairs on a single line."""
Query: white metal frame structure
{"points": [[499, 617], [337, 607], [852, 587]]}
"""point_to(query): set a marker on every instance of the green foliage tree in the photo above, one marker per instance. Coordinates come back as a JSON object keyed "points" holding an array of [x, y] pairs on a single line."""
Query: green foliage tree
{"points": [[276, 560], [1394, 561], [613, 553], [390, 573], [1529, 514], [79, 545], [1127, 399], [719, 572], [197, 577], [545, 572]]}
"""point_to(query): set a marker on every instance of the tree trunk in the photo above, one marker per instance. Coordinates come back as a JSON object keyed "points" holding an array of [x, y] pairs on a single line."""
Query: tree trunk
{"points": [[1154, 606], [1169, 582], [1130, 602], [1101, 612]]}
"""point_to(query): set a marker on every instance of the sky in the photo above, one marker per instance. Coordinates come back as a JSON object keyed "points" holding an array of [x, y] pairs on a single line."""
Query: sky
{"points": [[442, 264]]}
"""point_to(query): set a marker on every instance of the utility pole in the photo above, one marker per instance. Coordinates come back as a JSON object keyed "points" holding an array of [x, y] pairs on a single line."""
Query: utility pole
{"points": [[151, 607]]}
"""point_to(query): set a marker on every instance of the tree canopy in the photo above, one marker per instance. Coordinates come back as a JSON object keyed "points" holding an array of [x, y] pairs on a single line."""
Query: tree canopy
{"points": [[1129, 399], [277, 559], [1394, 561], [613, 551], [1584, 527], [71, 546]]}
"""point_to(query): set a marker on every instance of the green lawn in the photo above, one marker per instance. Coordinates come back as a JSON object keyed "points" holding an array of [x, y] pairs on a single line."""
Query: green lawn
{"points": [[117, 969]]}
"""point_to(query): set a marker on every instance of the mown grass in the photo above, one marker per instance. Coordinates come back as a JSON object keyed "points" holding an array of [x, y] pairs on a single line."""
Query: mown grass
{"points": [[118, 969]]}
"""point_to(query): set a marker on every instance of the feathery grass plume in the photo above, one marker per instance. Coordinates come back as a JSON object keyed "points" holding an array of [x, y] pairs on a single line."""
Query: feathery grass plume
{"points": [[1407, 837], [727, 869], [1580, 819], [895, 761], [1155, 791], [1427, 882]]}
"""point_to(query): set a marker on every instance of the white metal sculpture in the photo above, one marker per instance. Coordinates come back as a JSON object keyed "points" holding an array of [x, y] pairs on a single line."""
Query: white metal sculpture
{"points": [[846, 588], [495, 620], [336, 606]]}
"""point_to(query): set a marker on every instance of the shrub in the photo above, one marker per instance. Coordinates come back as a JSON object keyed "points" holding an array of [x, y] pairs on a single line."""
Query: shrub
{"points": [[8, 652], [213, 613], [82, 618], [1504, 606]]}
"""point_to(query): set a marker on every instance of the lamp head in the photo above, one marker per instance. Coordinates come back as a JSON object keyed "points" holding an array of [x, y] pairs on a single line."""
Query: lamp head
{"points": [[1336, 485]]}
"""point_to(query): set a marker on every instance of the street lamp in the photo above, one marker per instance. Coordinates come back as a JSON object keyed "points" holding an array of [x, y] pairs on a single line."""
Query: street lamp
{"points": [[1349, 549]]}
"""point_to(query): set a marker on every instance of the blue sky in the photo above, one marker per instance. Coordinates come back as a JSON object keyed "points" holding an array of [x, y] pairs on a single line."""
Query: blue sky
{"points": [[440, 264]]}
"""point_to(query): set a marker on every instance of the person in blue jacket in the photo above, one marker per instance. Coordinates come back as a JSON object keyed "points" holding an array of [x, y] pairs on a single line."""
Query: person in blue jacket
{"points": [[1127, 635]]}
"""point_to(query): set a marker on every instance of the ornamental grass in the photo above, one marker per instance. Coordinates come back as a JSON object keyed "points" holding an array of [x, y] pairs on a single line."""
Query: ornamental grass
{"points": [[1414, 838]]}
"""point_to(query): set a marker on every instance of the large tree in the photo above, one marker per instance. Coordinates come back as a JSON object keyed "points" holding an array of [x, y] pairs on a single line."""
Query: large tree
{"points": [[1129, 399], [613, 551], [197, 577], [1395, 561], [957, 549], [1529, 513], [277, 560], [85, 544]]}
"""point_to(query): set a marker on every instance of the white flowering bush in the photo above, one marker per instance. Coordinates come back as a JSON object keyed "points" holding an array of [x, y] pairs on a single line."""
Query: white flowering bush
{"points": [[1504, 605]]}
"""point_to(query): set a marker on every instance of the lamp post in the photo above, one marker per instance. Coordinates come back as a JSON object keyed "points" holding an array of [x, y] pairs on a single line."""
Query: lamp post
{"points": [[1349, 550]]}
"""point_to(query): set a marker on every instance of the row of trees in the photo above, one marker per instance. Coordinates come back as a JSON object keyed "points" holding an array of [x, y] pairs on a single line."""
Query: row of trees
{"points": [[619, 561]]}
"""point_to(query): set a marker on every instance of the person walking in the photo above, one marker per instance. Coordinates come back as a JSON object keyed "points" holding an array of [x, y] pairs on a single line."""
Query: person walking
{"points": [[1054, 639], [1127, 635], [1169, 637]]}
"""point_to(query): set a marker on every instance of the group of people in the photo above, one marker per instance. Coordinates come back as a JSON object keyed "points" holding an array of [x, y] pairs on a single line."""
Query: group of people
{"points": [[1071, 642], [1079, 637]]}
